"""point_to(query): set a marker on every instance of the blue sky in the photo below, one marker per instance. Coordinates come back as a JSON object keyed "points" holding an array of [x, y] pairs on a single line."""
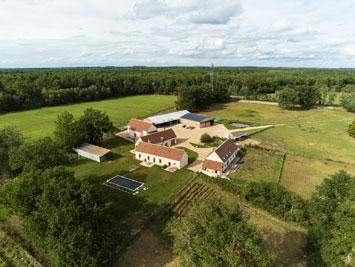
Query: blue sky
{"points": [[60, 33]]}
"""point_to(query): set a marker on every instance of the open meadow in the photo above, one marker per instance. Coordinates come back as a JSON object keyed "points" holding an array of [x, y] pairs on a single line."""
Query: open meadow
{"points": [[302, 175], [39, 122], [314, 135]]}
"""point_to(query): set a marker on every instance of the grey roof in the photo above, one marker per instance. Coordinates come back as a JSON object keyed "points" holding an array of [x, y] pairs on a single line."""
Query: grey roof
{"points": [[159, 119], [239, 135], [240, 125], [195, 117]]}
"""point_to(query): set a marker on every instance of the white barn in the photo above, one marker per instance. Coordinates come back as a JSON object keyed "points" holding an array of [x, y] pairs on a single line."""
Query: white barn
{"points": [[161, 155], [92, 152]]}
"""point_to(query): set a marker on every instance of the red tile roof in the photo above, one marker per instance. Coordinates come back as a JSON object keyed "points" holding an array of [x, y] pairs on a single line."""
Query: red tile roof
{"points": [[158, 137], [160, 151], [212, 165], [138, 125]]}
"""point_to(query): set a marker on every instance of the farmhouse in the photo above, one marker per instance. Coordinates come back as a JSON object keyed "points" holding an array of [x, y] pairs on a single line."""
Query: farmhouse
{"points": [[167, 119], [163, 138], [161, 155], [218, 160], [138, 128], [93, 152], [196, 120]]}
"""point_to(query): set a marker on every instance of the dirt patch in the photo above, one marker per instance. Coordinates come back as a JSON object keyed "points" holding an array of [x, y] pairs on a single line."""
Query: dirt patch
{"points": [[249, 142], [148, 250]]}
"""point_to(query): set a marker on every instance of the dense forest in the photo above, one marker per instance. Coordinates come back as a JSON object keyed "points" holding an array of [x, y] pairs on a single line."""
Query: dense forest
{"points": [[31, 88]]}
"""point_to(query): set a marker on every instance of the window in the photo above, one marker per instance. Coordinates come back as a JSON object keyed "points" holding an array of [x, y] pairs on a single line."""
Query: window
{"points": [[159, 160], [139, 155], [148, 158], [169, 164], [153, 159]]}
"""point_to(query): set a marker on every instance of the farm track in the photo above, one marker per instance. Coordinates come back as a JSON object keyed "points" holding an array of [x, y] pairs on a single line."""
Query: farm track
{"points": [[182, 205]]}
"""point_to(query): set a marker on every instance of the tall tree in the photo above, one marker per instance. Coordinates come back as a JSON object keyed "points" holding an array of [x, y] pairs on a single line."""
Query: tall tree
{"points": [[217, 234], [10, 139], [59, 214], [287, 98], [94, 124], [351, 129], [40, 154]]}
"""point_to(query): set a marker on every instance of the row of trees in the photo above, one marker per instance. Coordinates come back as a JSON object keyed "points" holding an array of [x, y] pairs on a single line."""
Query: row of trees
{"points": [[305, 96], [60, 215], [25, 89]]}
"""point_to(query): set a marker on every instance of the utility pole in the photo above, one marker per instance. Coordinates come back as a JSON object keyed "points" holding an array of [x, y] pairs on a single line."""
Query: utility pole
{"points": [[211, 77]]}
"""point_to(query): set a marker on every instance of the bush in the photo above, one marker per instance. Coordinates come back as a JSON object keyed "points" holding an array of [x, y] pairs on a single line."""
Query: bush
{"points": [[205, 138], [351, 129]]}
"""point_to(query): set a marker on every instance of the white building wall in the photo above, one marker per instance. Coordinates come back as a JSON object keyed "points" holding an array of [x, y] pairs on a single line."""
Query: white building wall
{"points": [[214, 157], [162, 161], [165, 143], [88, 155], [210, 172]]}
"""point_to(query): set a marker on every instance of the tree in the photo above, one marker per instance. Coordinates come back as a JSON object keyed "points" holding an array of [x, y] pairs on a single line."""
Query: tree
{"points": [[205, 138], [348, 102], [40, 154], [217, 234], [308, 95], [60, 215], [67, 132], [93, 125], [330, 241], [10, 139], [351, 129], [287, 98]]}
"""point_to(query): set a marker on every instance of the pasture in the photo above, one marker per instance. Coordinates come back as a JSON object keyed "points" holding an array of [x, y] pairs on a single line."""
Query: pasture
{"points": [[39, 123], [259, 165], [302, 175]]}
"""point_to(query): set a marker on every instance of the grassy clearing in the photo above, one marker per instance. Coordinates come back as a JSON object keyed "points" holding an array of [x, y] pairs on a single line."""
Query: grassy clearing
{"points": [[39, 122], [207, 145], [302, 175], [129, 211], [192, 155], [318, 132], [259, 165]]}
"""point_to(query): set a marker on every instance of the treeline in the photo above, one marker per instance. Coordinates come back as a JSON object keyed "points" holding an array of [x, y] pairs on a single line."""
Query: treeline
{"points": [[31, 88]]}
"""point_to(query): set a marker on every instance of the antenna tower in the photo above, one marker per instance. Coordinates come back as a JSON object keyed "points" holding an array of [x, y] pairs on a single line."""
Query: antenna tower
{"points": [[211, 76]]}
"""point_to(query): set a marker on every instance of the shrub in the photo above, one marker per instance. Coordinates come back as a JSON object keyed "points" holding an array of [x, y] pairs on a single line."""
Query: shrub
{"points": [[205, 138]]}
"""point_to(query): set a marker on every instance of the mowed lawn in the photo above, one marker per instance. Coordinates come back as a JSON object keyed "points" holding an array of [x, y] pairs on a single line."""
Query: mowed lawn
{"points": [[129, 211], [319, 132], [259, 165], [39, 123], [302, 175]]}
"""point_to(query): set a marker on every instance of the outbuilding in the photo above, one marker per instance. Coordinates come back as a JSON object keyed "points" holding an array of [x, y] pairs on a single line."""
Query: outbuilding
{"points": [[197, 121], [167, 119], [92, 152]]}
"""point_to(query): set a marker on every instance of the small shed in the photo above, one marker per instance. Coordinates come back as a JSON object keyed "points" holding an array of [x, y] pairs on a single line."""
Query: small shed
{"points": [[238, 136], [92, 152]]}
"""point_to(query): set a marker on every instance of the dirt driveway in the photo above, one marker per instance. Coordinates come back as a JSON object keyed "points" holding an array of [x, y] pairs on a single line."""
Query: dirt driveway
{"points": [[185, 136]]}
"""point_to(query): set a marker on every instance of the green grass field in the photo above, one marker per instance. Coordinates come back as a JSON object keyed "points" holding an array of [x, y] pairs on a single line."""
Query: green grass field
{"points": [[129, 211], [40, 122], [319, 132], [192, 155], [302, 175], [259, 165]]}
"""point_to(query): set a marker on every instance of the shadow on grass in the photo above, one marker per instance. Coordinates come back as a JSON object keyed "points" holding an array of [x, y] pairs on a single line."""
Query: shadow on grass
{"points": [[288, 247]]}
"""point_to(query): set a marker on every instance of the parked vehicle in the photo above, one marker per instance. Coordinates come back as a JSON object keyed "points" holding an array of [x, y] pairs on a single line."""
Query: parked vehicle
{"points": [[240, 162]]}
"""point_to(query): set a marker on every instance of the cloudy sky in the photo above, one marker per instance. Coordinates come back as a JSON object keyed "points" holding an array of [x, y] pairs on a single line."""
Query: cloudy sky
{"points": [[294, 33]]}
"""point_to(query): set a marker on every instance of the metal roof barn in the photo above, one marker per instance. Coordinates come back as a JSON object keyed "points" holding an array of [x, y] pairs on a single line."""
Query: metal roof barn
{"points": [[195, 117], [166, 118]]}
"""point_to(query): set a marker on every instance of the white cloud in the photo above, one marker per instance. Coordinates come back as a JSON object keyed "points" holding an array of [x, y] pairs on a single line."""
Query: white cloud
{"points": [[40, 33]]}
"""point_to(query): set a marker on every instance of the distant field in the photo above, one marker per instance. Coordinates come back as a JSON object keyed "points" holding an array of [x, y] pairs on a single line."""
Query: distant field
{"points": [[319, 132], [302, 175], [259, 165], [38, 123]]}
